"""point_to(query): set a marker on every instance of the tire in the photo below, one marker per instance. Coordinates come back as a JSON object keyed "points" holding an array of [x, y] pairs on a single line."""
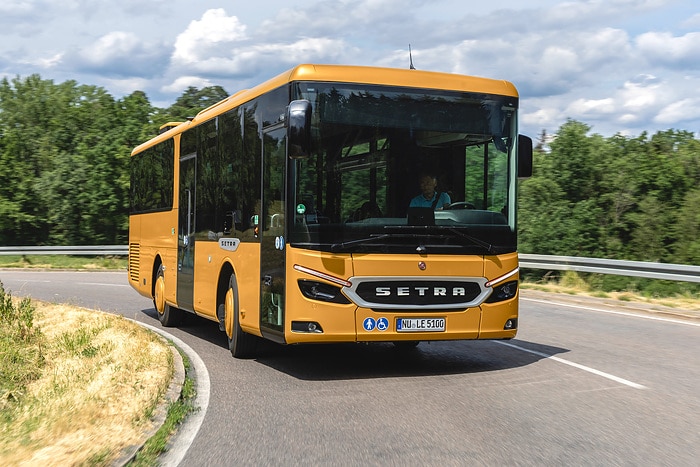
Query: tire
{"points": [[169, 316], [241, 344]]}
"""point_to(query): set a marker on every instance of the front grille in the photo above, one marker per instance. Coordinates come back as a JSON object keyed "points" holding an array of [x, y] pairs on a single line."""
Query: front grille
{"points": [[418, 293], [134, 261]]}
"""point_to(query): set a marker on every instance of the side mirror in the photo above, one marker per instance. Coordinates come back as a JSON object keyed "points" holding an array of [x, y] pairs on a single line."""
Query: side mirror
{"points": [[524, 156], [299, 129]]}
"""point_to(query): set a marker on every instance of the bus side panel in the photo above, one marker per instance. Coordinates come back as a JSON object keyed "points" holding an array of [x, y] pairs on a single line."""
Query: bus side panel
{"points": [[495, 315], [246, 266], [207, 264], [136, 257], [151, 235], [337, 320]]}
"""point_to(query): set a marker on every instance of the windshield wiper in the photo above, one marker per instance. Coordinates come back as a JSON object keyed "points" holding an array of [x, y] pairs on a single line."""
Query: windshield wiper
{"points": [[472, 239], [343, 245], [476, 241]]}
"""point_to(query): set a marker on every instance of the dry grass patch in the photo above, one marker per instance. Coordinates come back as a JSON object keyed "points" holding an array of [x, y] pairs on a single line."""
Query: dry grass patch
{"points": [[101, 379], [681, 302]]}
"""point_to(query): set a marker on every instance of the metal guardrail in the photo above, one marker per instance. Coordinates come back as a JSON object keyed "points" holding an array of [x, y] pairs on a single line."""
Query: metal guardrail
{"points": [[101, 250], [671, 272]]}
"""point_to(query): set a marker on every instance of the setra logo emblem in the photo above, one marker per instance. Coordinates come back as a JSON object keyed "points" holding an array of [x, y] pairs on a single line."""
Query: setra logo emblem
{"points": [[414, 293], [422, 292]]}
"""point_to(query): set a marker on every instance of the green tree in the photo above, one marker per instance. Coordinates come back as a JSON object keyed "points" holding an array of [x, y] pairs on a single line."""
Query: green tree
{"points": [[687, 230], [195, 100], [26, 108]]}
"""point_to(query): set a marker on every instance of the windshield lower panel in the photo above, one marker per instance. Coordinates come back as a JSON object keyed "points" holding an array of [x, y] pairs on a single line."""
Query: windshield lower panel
{"points": [[406, 170]]}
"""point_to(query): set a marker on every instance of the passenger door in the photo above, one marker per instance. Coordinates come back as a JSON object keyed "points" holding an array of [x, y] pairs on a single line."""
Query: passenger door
{"points": [[186, 229], [272, 255]]}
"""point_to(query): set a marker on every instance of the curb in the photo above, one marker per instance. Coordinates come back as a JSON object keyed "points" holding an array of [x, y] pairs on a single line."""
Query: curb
{"points": [[172, 394]]}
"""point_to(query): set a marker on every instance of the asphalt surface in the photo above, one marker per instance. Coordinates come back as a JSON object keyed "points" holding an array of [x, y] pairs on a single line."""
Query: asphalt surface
{"points": [[586, 382]]}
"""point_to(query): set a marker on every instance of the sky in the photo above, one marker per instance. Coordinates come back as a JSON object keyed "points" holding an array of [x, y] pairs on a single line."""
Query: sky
{"points": [[619, 66]]}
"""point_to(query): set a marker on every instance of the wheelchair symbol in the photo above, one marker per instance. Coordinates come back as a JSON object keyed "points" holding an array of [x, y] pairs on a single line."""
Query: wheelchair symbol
{"points": [[382, 324]]}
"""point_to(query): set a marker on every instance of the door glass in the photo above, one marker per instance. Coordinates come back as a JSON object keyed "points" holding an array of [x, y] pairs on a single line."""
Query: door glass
{"points": [[186, 238], [273, 231]]}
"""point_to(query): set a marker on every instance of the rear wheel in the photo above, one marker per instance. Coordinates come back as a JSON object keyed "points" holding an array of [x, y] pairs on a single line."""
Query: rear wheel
{"points": [[168, 315], [241, 344]]}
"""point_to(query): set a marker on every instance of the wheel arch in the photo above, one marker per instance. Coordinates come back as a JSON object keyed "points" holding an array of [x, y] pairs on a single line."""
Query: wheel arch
{"points": [[157, 262], [222, 284]]}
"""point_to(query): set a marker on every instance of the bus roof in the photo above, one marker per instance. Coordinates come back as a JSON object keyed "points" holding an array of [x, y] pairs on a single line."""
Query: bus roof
{"points": [[347, 74]]}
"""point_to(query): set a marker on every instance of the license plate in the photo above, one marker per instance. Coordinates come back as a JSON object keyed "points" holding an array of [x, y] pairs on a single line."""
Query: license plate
{"points": [[420, 324]]}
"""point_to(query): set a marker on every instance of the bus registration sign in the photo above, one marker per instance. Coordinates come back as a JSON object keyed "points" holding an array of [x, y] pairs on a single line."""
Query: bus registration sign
{"points": [[420, 324]]}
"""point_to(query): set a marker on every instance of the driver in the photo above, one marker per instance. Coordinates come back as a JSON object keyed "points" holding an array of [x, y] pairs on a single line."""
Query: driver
{"points": [[429, 197]]}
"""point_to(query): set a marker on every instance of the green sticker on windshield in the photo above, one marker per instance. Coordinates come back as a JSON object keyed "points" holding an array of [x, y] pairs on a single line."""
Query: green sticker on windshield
{"points": [[301, 209]]}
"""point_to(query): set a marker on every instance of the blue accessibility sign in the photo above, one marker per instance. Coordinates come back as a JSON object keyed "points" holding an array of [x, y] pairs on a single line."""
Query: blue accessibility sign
{"points": [[382, 324], [369, 324]]}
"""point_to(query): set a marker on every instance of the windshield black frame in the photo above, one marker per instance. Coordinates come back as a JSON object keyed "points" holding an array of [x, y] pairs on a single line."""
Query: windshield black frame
{"points": [[371, 144]]}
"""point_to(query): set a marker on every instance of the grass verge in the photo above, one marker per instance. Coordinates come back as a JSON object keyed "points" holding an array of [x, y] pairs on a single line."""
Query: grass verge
{"points": [[78, 387], [680, 295], [177, 412], [64, 262]]}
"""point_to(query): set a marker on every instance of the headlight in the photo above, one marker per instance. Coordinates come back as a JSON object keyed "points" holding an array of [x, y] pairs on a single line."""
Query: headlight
{"points": [[503, 292], [321, 291]]}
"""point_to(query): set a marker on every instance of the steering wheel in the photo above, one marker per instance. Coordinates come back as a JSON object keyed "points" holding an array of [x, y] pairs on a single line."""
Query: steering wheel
{"points": [[461, 205]]}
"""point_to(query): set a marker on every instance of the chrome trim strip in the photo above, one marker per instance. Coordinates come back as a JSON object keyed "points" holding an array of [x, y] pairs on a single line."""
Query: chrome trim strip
{"points": [[495, 281], [322, 275]]}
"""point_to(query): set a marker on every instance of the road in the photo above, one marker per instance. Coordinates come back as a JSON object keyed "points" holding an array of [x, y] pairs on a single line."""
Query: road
{"points": [[581, 385]]}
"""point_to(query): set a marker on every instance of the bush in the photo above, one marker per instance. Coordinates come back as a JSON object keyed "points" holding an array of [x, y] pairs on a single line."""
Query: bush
{"points": [[21, 358]]}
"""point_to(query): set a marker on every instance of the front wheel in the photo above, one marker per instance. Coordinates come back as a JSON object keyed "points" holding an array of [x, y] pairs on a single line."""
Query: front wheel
{"points": [[241, 344], [168, 315]]}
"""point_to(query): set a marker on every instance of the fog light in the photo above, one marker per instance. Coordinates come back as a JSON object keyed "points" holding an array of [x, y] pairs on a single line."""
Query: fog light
{"points": [[511, 324], [307, 327]]}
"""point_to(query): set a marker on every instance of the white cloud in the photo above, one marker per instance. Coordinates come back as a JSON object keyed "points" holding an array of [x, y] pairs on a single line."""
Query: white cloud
{"points": [[693, 22], [664, 48], [46, 62], [640, 95], [593, 108], [112, 45], [619, 65], [540, 118], [183, 82], [118, 54], [14, 7], [213, 34], [596, 11], [684, 110]]}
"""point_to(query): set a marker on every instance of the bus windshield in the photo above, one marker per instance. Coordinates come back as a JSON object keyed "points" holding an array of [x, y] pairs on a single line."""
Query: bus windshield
{"points": [[373, 148]]}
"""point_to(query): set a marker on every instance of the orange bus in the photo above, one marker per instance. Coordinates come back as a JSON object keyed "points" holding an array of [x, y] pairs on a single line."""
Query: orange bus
{"points": [[287, 212]]}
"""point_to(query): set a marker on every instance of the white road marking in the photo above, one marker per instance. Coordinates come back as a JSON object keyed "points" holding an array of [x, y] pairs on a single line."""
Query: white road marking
{"points": [[187, 432], [575, 365], [622, 313], [102, 284]]}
